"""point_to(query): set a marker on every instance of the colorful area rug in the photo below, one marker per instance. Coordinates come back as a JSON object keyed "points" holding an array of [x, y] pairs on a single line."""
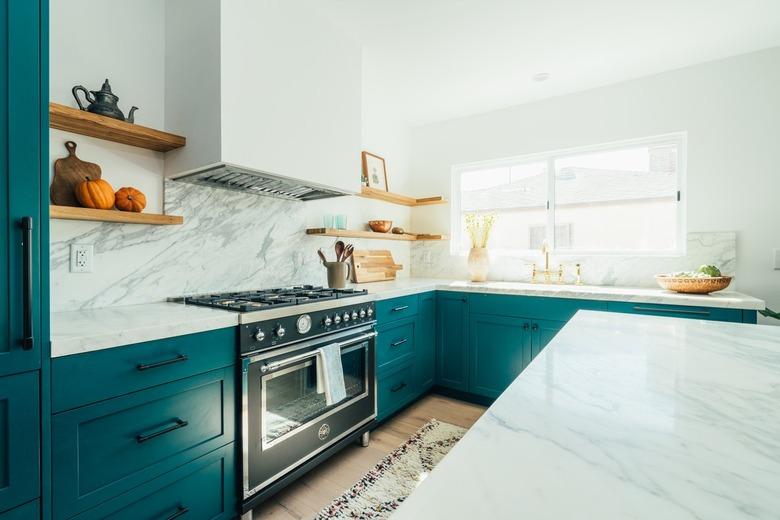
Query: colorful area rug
{"points": [[382, 490]]}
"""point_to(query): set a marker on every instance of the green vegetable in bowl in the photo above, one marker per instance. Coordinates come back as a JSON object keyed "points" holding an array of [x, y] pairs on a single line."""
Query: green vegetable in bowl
{"points": [[709, 270]]}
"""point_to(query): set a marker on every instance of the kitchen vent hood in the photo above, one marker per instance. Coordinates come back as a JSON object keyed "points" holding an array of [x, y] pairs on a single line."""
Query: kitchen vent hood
{"points": [[268, 94]]}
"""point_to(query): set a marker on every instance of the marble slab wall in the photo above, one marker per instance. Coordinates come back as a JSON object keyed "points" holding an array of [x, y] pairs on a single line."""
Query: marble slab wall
{"points": [[230, 241], [433, 260]]}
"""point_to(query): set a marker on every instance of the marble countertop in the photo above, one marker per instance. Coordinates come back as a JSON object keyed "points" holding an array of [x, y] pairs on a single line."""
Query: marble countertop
{"points": [[624, 417]]}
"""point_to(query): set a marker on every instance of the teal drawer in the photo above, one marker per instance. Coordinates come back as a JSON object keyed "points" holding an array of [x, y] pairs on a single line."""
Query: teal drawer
{"points": [[558, 309], [28, 511], [87, 378], [395, 309], [202, 489], [395, 342], [677, 311], [395, 389], [105, 449]]}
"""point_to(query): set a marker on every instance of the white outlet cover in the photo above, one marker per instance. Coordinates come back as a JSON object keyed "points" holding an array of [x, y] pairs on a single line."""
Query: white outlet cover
{"points": [[81, 258]]}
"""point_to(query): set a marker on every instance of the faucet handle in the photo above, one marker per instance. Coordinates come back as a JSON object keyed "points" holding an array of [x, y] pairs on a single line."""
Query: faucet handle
{"points": [[578, 272], [533, 273], [560, 273]]}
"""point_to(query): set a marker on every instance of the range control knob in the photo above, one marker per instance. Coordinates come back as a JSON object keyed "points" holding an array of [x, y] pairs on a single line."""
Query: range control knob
{"points": [[354, 315], [362, 313], [327, 321], [370, 312], [259, 334], [336, 319], [280, 332], [345, 317]]}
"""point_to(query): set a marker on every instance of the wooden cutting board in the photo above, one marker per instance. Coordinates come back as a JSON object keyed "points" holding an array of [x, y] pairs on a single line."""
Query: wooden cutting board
{"points": [[69, 172], [373, 265]]}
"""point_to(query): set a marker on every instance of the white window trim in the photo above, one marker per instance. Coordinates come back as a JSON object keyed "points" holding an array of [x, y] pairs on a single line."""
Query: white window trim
{"points": [[681, 138]]}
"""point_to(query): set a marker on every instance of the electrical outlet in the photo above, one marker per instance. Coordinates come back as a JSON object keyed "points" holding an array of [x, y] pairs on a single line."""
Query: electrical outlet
{"points": [[81, 257], [777, 259]]}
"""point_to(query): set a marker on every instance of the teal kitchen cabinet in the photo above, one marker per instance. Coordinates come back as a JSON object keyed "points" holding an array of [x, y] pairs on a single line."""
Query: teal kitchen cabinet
{"points": [[425, 342], [542, 332], [452, 311], [19, 439], [499, 348], [684, 311], [24, 512]]}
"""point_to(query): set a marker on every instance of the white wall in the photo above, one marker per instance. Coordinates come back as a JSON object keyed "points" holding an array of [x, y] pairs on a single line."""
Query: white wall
{"points": [[730, 109]]}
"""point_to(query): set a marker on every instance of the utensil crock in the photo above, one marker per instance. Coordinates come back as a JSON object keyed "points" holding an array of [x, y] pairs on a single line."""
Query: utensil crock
{"points": [[338, 273]]}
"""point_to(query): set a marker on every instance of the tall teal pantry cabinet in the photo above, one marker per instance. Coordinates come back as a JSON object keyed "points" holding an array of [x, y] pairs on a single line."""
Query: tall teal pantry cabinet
{"points": [[24, 222]]}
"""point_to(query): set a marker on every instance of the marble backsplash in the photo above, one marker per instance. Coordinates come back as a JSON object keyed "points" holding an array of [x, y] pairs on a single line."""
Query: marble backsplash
{"points": [[434, 260], [229, 241]]}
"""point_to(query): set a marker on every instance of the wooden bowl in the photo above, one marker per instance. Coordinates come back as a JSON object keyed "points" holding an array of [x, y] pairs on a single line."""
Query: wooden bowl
{"points": [[380, 226], [693, 285]]}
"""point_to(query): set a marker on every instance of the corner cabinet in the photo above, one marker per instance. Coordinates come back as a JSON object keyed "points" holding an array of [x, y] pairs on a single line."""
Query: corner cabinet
{"points": [[24, 303], [452, 336]]}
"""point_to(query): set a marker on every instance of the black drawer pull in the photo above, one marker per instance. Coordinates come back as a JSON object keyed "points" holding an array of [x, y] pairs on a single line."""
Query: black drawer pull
{"points": [[400, 308], [143, 437], [399, 342], [399, 386], [671, 311], [180, 511], [28, 340], [535, 326], [525, 326], [147, 366]]}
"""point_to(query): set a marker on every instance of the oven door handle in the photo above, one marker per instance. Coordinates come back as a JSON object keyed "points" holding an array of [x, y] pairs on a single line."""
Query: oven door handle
{"points": [[276, 365]]}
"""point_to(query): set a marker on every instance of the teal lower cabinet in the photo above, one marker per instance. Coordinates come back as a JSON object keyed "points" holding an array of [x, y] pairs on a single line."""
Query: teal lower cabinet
{"points": [[395, 388], [19, 440], [684, 311], [452, 336], [28, 511], [425, 343]]}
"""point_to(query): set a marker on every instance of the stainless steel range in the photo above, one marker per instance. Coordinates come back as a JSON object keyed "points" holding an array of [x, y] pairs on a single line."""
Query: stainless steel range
{"points": [[287, 423]]}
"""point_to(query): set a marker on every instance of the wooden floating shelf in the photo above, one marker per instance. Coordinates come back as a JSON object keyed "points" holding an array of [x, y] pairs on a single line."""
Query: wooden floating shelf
{"points": [[372, 193], [71, 119], [110, 215], [348, 233]]}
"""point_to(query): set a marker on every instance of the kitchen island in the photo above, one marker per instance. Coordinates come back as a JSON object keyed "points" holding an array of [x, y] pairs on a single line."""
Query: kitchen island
{"points": [[624, 416]]}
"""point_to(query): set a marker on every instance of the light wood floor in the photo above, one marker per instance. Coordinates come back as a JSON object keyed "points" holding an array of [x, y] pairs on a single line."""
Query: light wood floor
{"points": [[315, 490]]}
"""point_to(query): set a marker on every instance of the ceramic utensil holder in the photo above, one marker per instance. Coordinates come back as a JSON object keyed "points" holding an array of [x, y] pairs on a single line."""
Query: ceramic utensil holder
{"points": [[338, 274]]}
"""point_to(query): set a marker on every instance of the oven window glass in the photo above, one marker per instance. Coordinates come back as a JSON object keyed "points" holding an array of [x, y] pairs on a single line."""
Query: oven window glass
{"points": [[290, 398]]}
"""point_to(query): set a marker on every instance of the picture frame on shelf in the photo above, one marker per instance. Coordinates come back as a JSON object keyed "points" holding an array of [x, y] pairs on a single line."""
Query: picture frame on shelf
{"points": [[374, 171]]}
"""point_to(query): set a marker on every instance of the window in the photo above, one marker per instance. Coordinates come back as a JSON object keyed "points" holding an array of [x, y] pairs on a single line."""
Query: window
{"points": [[620, 198]]}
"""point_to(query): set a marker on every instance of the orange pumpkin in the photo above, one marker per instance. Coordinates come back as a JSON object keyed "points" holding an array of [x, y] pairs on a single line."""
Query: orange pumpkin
{"points": [[130, 199], [96, 194]]}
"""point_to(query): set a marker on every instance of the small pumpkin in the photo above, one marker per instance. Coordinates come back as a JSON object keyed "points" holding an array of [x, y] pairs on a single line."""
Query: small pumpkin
{"points": [[97, 194], [130, 199]]}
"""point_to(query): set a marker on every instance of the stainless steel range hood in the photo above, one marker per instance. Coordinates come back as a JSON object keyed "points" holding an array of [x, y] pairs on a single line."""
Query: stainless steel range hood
{"points": [[240, 178]]}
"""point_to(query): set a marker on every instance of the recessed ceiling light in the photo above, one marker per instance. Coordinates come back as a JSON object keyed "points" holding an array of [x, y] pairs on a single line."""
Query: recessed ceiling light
{"points": [[542, 76]]}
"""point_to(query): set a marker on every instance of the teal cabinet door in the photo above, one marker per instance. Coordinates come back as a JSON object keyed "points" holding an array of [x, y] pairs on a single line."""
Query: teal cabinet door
{"points": [[451, 340], [425, 342], [26, 512], [499, 349], [21, 157], [19, 439], [542, 332]]}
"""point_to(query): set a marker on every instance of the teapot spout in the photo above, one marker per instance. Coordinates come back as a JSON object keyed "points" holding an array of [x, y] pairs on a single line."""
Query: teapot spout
{"points": [[131, 115]]}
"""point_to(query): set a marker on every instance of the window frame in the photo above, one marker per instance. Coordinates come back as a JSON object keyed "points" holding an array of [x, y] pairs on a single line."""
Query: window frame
{"points": [[680, 139]]}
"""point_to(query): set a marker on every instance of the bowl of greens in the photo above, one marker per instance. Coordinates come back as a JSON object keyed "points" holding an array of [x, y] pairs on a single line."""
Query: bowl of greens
{"points": [[704, 281]]}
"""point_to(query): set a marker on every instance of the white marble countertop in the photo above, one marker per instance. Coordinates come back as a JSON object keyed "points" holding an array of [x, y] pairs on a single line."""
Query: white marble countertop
{"points": [[624, 416], [76, 332]]}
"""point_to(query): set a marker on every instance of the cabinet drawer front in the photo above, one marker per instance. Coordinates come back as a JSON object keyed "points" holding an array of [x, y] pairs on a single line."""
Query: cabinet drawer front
{"points": [[559, 309], [87, 378], [395, 309], [395, 343], [28, 511], [202, 489], [677, 311], [395, 388], [104, 449], [19, 439]]}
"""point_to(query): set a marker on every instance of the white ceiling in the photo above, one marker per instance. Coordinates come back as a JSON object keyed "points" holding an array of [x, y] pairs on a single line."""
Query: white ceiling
{"points": [[431, 60]]}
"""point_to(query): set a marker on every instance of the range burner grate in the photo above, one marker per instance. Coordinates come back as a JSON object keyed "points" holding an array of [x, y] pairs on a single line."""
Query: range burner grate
{"points": [[248, 301]]}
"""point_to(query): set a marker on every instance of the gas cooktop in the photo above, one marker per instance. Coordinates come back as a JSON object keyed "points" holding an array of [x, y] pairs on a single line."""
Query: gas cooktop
{"points": [[249, 301]]}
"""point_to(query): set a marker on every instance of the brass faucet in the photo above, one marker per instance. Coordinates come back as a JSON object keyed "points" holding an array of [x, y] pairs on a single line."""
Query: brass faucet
{"points": [[547, 272]]}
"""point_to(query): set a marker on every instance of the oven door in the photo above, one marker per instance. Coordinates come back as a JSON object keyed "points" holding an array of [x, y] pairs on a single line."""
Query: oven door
{"points": [[285, 419]]}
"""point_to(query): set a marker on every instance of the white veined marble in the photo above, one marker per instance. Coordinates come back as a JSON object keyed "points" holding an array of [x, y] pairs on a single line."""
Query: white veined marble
{"points": [[624, 416]]}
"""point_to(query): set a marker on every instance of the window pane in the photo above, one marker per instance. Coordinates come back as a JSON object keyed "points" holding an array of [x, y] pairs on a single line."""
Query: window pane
{"points": [[517, 194], [618, 200]]}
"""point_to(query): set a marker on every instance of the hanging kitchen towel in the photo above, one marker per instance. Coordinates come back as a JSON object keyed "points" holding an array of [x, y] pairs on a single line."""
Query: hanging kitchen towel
{"points": [[330, 374]]}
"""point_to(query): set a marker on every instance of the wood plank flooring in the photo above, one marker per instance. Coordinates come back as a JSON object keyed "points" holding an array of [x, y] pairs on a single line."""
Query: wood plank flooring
{"points": [[308, 495]]}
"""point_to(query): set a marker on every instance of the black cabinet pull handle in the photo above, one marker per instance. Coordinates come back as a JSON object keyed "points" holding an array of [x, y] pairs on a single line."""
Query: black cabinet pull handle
{"points": [[27, 340], [399, 342], [147, 366], [400, 308], [671, 311], [535, 326], [525, 326], [143, 437], [399, 386], [180, 511]]}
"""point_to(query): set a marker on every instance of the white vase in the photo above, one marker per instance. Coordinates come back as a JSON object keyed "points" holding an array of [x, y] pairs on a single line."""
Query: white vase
{"points": [[479, 264]]}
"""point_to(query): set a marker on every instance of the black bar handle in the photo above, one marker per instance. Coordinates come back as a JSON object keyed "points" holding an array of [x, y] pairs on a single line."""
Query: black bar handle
{"points": [[671, 311], [180, 511], [143, 437], [400, 308], [399, 342], [27, 341], [399, 386], [178, 359]]}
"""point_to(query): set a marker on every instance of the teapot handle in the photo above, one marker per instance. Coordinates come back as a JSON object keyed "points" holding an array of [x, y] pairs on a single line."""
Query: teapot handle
{"points": [[90, 98]]}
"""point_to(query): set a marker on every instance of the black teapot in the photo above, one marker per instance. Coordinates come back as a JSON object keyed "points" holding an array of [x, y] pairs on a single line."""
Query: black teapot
{"points": [[103, 102]]}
